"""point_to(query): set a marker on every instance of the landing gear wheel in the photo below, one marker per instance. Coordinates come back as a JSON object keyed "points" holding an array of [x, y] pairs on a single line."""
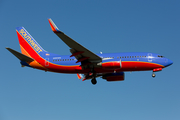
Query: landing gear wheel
{"points": [[153, 75], [93, 81]]}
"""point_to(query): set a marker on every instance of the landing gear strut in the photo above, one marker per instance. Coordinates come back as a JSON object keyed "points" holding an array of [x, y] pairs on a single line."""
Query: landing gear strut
{"points": [[93, 81], [153, 75]]}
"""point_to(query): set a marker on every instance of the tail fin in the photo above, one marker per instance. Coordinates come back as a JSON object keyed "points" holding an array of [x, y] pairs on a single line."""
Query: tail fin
{"points": [[28, 45]]}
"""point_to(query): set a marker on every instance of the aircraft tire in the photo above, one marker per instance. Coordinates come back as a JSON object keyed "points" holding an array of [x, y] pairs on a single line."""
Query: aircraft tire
{"points": [[93, 81]]}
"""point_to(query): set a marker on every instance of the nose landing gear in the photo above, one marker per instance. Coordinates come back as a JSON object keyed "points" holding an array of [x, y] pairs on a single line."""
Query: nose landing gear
{"points": [[156, 70], [153, 75]]}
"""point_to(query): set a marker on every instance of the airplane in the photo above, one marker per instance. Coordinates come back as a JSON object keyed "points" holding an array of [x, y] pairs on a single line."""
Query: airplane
{"points": [[83, 62]]}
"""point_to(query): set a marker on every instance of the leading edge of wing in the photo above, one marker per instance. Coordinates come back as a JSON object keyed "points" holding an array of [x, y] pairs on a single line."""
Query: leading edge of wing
{"points": [[73, 44]]}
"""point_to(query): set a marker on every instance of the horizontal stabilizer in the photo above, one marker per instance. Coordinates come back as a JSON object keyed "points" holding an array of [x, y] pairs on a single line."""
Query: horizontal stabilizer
{"points": [[20, 56]]}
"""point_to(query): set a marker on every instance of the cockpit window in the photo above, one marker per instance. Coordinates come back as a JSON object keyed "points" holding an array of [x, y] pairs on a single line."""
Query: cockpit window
{"points": [[160, 56]]}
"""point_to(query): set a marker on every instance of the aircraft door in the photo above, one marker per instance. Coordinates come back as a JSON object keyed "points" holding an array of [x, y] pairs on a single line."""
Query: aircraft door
{"points": [[150, 57], [47, 62]]}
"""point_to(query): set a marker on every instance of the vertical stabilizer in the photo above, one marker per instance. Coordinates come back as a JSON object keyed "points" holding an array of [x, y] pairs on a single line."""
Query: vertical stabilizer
{"points": [[28, 45]]}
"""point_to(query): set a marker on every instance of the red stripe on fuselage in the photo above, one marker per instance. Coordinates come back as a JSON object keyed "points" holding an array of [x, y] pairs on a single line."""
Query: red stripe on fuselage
{"points": [[131, 66], [139, 65]]}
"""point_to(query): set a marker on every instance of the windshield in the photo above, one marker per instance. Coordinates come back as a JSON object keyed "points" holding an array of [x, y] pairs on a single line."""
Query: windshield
{"points": [[160, 56]]}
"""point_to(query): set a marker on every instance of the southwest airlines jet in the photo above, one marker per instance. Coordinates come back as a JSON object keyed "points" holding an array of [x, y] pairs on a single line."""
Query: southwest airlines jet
{"points": [[83, 62]]}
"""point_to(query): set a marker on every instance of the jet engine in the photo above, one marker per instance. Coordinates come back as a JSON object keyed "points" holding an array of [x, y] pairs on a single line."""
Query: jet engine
{"points": [[114, 76]]}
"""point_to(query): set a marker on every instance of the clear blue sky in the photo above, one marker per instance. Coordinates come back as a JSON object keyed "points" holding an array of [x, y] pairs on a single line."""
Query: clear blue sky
{"points": [[107, 26]]}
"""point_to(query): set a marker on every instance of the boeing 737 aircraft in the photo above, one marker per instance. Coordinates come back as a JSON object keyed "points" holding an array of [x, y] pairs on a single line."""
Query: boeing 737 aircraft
{"points": [[83, 62]]}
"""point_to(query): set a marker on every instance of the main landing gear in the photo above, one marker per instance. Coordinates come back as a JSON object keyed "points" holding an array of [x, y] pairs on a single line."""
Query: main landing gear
{"points": [[94, 81]]}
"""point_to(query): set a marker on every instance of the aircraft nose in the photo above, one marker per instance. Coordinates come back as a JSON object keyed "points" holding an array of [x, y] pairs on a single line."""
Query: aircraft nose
{"points": [[169, 62]]}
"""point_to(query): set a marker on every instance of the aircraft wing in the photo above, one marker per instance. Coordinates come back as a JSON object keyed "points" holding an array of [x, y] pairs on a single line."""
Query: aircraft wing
{"points": [[81, 53]]}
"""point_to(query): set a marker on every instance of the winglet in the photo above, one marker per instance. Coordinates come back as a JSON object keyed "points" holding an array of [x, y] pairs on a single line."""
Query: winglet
{"points": [[53, 26], [79, 76]]}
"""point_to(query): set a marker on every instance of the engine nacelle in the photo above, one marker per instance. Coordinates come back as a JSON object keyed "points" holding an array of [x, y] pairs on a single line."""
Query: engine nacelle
{"points": [[114, 76]]}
